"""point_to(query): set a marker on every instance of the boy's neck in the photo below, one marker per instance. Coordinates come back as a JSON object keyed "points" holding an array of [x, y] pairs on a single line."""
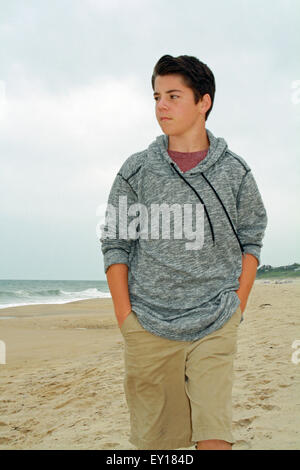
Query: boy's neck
{"points": [[189, 143]]}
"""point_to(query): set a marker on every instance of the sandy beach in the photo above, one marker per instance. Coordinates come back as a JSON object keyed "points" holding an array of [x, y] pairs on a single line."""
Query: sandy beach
{"points": [[62, 384]]}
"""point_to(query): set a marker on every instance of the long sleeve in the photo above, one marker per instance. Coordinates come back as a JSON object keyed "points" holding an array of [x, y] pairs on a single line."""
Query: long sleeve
{"points": [[116, 244], [252, 216]]}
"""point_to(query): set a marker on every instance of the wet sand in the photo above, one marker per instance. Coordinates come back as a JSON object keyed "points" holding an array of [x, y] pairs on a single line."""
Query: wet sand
{"points": [[62, 384]]}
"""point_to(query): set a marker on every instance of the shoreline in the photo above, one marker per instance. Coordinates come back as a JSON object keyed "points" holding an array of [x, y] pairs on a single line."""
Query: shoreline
{"points": [[40, 310], [80, 306]]}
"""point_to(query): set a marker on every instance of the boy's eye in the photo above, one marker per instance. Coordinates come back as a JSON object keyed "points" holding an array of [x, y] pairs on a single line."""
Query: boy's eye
{"points": [[171, 96]]}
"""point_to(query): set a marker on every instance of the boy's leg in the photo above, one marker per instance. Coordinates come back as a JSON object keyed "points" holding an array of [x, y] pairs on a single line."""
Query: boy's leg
{"points": [[154, 386], [209, 371], [213, 444]]}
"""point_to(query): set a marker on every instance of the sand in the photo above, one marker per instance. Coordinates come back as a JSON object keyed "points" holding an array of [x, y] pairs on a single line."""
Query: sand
{"points": [[62, 384]]}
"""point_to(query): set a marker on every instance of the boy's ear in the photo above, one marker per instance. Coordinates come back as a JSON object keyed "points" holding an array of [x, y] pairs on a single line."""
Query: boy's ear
{"points": [[205, 103]]}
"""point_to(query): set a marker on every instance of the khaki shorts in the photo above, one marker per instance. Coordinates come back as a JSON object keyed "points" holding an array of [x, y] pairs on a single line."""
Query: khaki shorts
{"points": [[179, 392]]}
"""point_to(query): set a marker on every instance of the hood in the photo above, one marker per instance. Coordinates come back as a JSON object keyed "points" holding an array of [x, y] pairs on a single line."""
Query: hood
{"points": [[217, 147]]}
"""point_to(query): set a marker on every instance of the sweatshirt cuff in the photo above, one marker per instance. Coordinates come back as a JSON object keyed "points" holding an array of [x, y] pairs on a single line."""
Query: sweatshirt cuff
{"points": [[253, 250], [115, 256]]}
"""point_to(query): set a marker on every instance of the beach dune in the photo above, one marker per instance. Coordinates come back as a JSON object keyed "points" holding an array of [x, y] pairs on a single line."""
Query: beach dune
{"points": [[62, 384]]}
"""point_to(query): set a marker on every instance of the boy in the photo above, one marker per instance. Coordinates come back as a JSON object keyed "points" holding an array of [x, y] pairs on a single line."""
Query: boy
{"points": [[179, 303]]}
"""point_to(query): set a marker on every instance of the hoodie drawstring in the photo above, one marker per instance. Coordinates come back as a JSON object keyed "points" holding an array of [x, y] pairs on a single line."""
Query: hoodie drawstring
{"points": [[206, 212], [230, 221]]}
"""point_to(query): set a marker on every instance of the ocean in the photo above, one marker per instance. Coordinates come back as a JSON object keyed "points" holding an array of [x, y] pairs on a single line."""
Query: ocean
{"points": [[15, 293]]}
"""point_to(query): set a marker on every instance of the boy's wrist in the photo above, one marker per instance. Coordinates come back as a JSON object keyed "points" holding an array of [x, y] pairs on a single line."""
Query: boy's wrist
{"points": [[121, 316], [243, 296]]}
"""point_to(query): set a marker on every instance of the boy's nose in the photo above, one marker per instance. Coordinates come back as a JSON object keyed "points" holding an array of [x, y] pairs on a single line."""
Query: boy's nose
{"points": [[162, 104]]}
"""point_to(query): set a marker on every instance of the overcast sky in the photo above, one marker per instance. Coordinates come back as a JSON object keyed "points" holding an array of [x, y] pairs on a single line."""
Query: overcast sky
{"points": [[76, 101]]}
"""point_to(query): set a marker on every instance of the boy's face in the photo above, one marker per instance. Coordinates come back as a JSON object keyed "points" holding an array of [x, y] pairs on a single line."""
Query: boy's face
{"points": [[175, 108]]}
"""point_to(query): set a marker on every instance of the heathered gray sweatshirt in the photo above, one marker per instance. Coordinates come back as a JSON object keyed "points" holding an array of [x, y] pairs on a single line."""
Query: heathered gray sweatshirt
{"points": [[179, 288]]}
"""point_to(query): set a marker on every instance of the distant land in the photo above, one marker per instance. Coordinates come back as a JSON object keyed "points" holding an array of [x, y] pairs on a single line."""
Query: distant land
{"points": [[266, 271]]}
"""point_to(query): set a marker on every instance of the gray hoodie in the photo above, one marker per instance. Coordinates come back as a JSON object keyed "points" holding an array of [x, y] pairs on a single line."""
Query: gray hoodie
{"points": [[182, 289]]}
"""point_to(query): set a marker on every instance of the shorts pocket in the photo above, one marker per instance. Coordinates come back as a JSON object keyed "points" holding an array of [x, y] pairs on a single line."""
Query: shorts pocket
{"points": [[123, 326], [236, 318], [241, 314]]}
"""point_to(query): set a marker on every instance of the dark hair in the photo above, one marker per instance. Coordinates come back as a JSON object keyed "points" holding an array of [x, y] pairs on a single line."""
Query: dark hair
{"points": [[196, 75]]}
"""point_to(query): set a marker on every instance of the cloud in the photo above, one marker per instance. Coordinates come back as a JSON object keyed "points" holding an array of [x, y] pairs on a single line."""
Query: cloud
{"points": [[76, 101], [108, 5], [70, 145]]}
